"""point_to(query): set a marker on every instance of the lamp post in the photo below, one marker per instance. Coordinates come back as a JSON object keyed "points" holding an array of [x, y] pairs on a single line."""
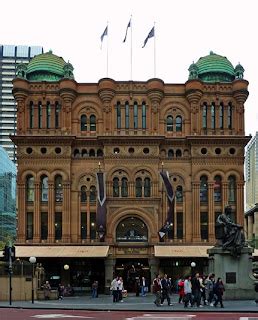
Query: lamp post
{"points": [[193, 265], [66, 267], [32, 260]]}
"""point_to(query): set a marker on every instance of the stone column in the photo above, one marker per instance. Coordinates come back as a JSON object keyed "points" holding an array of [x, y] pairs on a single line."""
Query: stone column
{"points": [[51, 212], [109, 273], [187, 216], [240, 203], [250, 228], [66, 237], [88, 215], [154, 267], [224, 194], [21, 236], [211, 215], [196, 236], [37, 213]]}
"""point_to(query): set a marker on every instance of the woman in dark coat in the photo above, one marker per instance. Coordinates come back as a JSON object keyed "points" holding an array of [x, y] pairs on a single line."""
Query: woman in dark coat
{"points": [[219, 290]]}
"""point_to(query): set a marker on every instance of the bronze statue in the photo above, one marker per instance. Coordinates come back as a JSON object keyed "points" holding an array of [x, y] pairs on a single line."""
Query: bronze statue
{"points": [[230, 233]]}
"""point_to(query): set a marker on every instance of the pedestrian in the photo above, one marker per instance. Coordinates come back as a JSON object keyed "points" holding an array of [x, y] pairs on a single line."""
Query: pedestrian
{"points": [[114, 289], [188, 292], [143, 286], [196, 290], [46, 290], [94, 289], [156, 289], [60, 290], [165, 287], [181, 293], [120, 288], [209, 289], [203, 280], [219, 291]]}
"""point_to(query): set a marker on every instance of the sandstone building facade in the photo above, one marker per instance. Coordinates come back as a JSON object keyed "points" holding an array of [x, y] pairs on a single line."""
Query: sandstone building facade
{"points": [[129, 130]]}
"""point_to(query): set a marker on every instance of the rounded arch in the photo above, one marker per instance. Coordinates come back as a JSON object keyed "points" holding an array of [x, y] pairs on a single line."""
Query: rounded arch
{"points": [[41, 173], [132, 229], [112, 171], [86, 107], [26, 173], [83, 179], [182, 107], [152, 173], [233, 173], [60, 172], [218, 173], [122, 213], [200, 173]]}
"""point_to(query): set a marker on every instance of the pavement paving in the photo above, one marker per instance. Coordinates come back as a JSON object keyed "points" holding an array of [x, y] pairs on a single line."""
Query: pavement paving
{"points": [[130, 303]]}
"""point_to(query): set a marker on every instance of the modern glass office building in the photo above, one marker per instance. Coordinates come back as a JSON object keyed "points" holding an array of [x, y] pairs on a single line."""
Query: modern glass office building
{"points": [[7, 196], [10, 57]]}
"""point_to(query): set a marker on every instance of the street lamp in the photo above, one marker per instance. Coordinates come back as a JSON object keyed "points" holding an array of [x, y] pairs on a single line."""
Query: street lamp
{"points": [[193, 265], [66, 267], [32, 260]]}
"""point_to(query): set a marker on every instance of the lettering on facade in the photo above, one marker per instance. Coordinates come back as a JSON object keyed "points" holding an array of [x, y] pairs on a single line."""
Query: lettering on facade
{"points": [[129, 251]]}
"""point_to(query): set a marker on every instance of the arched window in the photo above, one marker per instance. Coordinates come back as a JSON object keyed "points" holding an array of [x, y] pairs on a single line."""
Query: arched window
{"points": [[204, 116], [83, 122], [147, 187], [92, 153], [31, 115], [118, 115], [135, 115], [76, 153], [213, 116], [217, 189], [124, 187], [178, 123], [115, 187], [99, 153], [39, 115], [92, 122], [170, 153], [144, 124], [48, 113], [131, 230], [84, 153], [221, 116], [92, 193], [179, 194], [57, 114], [30, 188], [127, 117], [44, 188], [232, 188], [138, 187], [83, 194], [178, 153], [230, 115], [204, 189], [58, 188], [169, 123]]}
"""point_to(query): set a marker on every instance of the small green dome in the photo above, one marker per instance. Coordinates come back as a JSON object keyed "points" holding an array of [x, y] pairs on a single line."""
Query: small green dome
{"points": [[215, 68], [46, 67]]}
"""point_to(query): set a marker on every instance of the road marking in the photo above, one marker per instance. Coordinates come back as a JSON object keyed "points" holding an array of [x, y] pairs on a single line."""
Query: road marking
{"points": [[59, 316], [148, 316]]}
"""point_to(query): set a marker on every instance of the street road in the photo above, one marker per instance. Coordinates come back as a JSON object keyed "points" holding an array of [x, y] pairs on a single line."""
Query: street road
{"points": [[34, 314]]}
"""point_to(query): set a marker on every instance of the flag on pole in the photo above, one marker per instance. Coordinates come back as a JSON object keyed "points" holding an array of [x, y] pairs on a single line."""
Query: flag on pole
{"points": [[128, 26], [171, 205], [150, 35], [101, 208], [105, 33]]}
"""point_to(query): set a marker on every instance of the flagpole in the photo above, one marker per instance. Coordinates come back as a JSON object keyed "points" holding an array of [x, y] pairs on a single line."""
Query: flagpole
{"points": [[107, 49], [154, 50], [131, 56]]}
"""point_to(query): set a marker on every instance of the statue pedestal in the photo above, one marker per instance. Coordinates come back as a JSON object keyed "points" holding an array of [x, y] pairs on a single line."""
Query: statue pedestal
{"points": [[235, 272]]}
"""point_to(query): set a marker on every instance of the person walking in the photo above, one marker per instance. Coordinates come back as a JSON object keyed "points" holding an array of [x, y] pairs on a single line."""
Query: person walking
{"points": [[196, 290], [94, 289], [181, 293], [120, 288], [143, 286], [46, 290], [165, 287], [209, 289], [114, 289], [219, 291], [156, 289], [188, 292], [60, 290]]}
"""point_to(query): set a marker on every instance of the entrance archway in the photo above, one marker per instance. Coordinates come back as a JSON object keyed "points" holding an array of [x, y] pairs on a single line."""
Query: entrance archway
{"points": [[131, 229]]}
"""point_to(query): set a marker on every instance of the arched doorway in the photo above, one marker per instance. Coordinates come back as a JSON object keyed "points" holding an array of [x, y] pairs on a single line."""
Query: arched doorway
{"points": [[132, 230]]}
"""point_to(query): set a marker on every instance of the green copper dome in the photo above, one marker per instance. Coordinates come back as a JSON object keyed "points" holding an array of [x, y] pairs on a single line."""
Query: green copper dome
{"points": [[214, 68], [46, 67]]}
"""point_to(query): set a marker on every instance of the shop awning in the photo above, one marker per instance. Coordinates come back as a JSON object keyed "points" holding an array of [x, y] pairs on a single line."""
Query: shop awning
{"points": [[61, 251], [181, 251]]}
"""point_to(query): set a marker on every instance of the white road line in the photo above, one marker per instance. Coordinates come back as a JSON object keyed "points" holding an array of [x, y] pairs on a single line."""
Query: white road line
{"points": [[59, 316]]}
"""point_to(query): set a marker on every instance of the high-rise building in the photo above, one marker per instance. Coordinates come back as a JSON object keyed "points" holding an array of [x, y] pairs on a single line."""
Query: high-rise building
{"points": [[7, 197], [251, 172], [10, 57]]}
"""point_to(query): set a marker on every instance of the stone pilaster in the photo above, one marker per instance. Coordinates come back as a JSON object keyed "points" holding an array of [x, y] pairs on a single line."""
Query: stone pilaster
{"points": [[196, 213]]}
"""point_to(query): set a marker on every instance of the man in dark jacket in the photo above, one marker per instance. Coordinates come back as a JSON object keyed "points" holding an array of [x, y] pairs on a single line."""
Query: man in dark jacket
{"points": [[196, 290], [165, 286]]}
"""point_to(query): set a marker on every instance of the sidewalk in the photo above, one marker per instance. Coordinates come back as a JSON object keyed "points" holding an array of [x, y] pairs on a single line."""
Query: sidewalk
{"points": [[132, 303]]}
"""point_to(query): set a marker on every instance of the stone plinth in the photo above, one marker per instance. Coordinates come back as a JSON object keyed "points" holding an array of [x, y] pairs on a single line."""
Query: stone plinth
{"points": [[235, 272]]}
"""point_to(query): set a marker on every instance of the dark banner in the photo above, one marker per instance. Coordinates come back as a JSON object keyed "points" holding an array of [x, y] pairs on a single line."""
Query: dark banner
{"points": [[101, 205], [171, 205]]}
